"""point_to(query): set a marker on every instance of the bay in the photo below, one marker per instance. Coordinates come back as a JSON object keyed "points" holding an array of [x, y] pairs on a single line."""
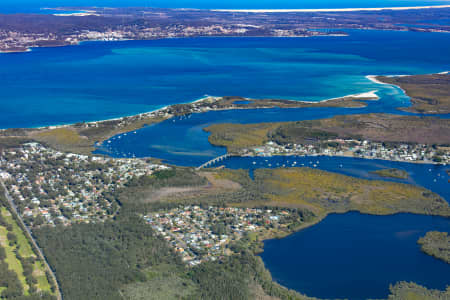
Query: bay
{"points": [[102, 80]]}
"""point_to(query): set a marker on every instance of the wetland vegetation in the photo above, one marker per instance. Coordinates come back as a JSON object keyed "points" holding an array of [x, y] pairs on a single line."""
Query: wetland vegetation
{"points": [[436, 244], [373, 127], [391, 173]]}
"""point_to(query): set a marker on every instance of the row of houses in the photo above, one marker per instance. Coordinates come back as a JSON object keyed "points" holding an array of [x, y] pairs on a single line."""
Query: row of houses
{"points": [[356, 148]]}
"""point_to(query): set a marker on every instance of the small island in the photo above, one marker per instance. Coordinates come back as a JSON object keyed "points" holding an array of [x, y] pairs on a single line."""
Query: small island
{"points": [[391, 173], [436, 244]]}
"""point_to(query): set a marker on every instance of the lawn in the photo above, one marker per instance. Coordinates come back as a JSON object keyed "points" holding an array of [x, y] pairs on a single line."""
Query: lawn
{"points": [[25, 250], [11, 259]]}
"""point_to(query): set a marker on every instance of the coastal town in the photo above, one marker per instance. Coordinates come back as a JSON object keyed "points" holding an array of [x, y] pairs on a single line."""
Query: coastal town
{"points": [[202, 234], [13, 41], [51, 187], [418, 153], [19, 33]]}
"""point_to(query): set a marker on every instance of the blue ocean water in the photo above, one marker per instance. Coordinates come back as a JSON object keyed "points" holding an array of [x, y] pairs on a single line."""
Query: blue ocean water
{"points": [[356, 256], [34, 6], [100, 80]]}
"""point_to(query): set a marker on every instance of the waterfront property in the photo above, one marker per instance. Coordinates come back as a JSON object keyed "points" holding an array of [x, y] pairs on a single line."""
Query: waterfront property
{"points": [[357, 148]]}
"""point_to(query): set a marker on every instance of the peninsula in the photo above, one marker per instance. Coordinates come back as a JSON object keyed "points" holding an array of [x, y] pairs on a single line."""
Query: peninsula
{"points": [[382, 136], [430, 94], [83, 137], [436, 244]]}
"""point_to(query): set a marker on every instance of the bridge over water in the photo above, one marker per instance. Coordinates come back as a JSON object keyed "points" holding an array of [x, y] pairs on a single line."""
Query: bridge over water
{"points": [[213, 161]]}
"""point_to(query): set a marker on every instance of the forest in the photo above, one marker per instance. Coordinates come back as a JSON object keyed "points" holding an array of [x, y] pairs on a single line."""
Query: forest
{"points": [[123, 258]]}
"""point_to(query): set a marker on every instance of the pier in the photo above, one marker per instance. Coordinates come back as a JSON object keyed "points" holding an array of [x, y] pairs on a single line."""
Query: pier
{"points": [[213, 161]]}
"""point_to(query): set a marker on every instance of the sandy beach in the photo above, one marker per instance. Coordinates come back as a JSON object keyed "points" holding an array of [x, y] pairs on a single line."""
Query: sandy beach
{"points": [[329, 9], [374, 79], [371, 95]]}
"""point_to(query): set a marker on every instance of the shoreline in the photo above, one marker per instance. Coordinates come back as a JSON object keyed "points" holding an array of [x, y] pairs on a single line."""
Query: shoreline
{"points": [[79, 42], [143, 114], [348, 156], [374, 79], [306, 10], [367, 96]]}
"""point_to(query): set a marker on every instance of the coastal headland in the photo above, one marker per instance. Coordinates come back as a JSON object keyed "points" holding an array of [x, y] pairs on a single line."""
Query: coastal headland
{"points": [[430, 94]]}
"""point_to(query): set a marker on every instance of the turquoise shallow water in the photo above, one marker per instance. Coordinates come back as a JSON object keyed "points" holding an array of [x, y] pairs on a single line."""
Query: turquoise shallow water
{"points": [[101, 80], [352, 255]]}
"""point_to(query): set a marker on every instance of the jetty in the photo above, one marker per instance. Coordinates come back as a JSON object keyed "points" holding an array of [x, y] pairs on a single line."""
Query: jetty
{"points": [[213, 161]]}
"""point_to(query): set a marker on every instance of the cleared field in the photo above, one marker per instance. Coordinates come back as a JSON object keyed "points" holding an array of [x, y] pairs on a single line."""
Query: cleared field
{"points": [[13, 263], [24, 249]]}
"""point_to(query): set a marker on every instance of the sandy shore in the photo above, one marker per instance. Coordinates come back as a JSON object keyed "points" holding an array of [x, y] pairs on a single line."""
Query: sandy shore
{"points": [[329, 9], [80, 14], [374, 79], [371, 95], [127, 116]]}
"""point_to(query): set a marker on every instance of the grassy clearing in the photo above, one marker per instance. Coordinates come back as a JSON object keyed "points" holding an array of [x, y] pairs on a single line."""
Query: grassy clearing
{"points": [[24, 246], [11, 259], [60, 135], [25, 250], [39, 274]]}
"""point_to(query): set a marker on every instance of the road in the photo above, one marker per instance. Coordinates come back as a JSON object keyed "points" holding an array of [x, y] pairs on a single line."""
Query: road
{"points": [[30, 236]]}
